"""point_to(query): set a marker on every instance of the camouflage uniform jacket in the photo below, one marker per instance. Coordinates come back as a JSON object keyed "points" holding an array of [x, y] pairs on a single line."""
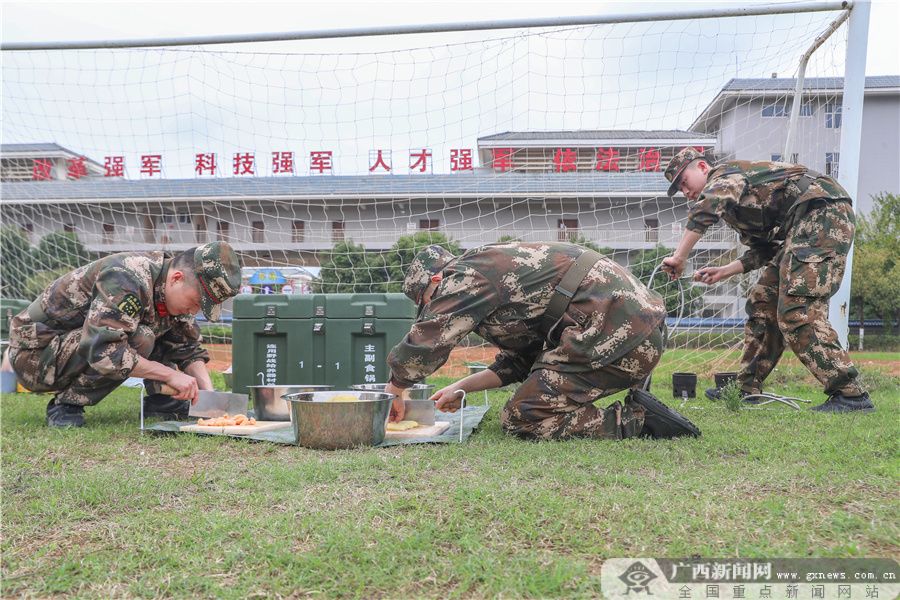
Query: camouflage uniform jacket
{"points": [[757, 200], [110, 298], [501, 292]]}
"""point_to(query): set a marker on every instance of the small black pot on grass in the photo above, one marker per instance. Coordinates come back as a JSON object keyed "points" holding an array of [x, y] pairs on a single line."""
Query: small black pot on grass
{"points": [[684, 385], [724, 378]]}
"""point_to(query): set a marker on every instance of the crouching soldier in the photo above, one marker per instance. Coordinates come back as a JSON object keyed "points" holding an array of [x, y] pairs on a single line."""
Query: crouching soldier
{"points": [[569, 322], [126, 315], [798, 225]]}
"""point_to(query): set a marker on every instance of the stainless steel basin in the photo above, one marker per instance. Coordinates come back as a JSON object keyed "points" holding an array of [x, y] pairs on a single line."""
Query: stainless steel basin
{"points": [[419, 391], [322, 424], [269, 403], [419, 407]]}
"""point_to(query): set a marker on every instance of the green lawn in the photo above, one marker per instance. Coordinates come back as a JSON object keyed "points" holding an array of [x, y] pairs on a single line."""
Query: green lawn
{"points": [[104, 511]]}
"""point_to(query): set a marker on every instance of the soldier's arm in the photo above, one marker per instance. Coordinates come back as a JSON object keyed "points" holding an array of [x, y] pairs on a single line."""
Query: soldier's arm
{"points": [[512, 367], [198, 371], [181, 344], [704, 213], [713, 201], [758, 253], [465, 297], [114, 314]]}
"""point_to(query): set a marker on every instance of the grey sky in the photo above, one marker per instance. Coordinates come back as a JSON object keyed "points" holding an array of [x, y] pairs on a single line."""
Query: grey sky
{"points": [[35, 20], [338, 95]]}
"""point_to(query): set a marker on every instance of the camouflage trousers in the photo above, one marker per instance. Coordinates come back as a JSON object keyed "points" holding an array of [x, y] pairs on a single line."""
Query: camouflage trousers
{"points": [[59, 367], [556, 405], [789, 303]]}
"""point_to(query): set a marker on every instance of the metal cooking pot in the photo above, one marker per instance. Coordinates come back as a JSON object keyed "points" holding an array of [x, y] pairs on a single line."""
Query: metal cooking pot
{"points": [[419, 407], [269, 403], [419, 391], [322, 424]]}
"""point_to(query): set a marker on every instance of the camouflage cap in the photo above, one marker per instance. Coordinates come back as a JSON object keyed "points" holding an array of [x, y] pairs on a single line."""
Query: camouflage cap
{"points": [[677, 166], [428, 262], [219, 272]]}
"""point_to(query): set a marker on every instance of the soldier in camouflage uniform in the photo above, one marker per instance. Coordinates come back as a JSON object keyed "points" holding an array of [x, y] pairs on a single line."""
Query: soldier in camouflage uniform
{"points": [[798, 226], [609, 337], [129, 314]]}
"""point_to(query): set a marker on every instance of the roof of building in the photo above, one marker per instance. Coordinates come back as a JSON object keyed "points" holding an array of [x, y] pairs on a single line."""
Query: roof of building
{"points": [[593, 134], [40, 150], [464, 185], [812, 83], [782, 87]]}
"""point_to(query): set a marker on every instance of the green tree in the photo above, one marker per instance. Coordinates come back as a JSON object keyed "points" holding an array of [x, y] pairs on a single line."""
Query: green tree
{"points": [[402, 253], [875, 285], [16, 264], [642, 265], [348, 268], [60, 249]]}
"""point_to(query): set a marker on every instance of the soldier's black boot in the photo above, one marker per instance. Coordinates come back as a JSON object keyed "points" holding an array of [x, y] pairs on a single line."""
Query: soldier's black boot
{"points": [[165, 407], [714, 393], [660, 421], [64, 415], [839, 403]]}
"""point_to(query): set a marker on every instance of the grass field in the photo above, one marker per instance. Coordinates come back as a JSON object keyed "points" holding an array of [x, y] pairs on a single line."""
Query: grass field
{"points": [[106, 512]]}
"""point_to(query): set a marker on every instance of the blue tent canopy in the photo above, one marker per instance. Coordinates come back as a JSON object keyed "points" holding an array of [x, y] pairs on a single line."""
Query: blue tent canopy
{"points": [[267, 277]]}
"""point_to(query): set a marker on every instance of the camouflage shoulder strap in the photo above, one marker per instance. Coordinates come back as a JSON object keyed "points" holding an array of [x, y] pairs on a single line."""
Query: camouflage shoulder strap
{"points": [[563, 293]]}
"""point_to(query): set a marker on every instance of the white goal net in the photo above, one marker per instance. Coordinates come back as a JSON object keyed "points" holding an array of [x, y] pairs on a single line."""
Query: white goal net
{"points": [[326, 163]]}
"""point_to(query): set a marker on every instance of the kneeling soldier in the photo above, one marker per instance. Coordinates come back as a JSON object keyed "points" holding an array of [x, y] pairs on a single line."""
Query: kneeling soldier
{"points": [[569, 322], [128, 314]]}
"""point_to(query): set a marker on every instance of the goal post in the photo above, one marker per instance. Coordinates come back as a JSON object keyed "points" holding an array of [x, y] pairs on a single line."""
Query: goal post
{"points": [[327, 158]]}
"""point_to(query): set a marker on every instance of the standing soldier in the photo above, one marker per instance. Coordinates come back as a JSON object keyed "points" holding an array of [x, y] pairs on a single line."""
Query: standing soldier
{"points": [[798, 225], [128, 314], [571, 323]]}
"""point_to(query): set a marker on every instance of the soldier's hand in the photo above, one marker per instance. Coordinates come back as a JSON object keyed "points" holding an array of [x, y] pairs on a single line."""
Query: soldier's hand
{"points": [[711, 275], [398, 410], [185, 386], [447, 399], [673, 265]]}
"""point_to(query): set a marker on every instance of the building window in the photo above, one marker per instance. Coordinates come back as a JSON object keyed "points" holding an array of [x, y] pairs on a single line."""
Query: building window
{"points": [[337, 231], [567, 229], [200, 234], [807, 109], [651, 230], [167, 217], [832, 115], [795, 158], [109, 231], [778, 109], [776, 158], [832, 160], [298, 231], [184, 217], [258, 233], [223, 231], [429, 224]]}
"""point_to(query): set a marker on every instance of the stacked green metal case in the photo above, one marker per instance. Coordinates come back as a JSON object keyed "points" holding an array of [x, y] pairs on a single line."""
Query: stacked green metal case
{"points": [[314, 339]]}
